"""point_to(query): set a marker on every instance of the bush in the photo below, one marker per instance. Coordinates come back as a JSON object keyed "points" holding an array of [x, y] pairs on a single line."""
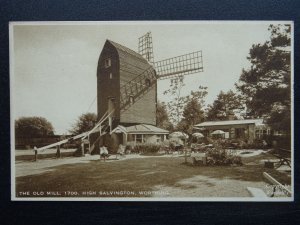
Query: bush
{"points": [[220, 156], [143, 148], [207, 140], [282, 141], [175, 143]]}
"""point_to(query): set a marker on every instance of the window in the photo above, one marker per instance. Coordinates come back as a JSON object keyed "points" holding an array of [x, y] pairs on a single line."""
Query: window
{"points": [[139, 138], [107, 63], [110, 76], [148, 82]]}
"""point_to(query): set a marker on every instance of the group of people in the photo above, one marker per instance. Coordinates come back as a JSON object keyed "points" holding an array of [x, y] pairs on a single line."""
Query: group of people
{"points": [[104, 152]]}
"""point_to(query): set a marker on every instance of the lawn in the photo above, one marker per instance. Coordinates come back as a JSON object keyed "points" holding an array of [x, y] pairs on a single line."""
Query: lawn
{"points": [[145, 177]]}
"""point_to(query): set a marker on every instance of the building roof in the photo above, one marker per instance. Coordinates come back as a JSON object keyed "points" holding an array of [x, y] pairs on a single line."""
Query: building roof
{"points": [[141, 129], [230, 122], [127, 51]]}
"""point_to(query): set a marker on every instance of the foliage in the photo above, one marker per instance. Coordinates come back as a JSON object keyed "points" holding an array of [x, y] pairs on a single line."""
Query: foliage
{"points": [[242, 144], [175, 106], [220, 157], [33, 127], [85, 123], [162, 118], [266, 84], [225, 104], [143, 148], [175, 143], [281, 141], [192, 113], [185, 111]]}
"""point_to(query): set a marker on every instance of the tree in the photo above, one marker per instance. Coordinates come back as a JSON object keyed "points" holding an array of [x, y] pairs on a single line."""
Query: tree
{"points": [[266, 85], [162, 118], [175, 106], [33, 127], [192, 112], [85, 123], [192, 115], [225, 104]]}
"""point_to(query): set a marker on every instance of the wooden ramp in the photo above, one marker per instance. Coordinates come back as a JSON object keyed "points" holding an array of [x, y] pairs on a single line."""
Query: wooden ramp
{"points": [[97, 128]]}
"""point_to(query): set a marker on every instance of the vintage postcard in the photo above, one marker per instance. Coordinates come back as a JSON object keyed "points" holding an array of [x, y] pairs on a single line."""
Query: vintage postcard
{"points": [[152, 111]]}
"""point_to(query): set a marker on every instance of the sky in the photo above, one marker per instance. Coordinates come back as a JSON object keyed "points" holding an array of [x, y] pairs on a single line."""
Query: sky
{"points": [[54, 65]]}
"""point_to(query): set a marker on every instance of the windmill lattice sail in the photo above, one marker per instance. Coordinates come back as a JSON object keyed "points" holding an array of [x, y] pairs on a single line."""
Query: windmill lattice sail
{"points": [[179, 66], [145, 47]]}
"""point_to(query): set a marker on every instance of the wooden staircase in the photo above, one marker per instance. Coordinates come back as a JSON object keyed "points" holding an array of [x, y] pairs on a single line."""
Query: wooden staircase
{"points": [[133, 90]]}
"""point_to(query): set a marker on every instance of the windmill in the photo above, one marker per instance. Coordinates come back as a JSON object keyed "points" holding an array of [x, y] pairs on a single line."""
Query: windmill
{"points": [[127, 85], [178, 66], [127, 81]]}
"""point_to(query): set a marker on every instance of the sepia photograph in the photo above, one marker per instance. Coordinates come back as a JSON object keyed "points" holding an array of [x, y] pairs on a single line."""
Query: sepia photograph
{"points": [[152, 111]]}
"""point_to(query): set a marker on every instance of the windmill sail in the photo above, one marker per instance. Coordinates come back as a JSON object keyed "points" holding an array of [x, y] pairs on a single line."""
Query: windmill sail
{"points": [[181, 65], [145, 47]]}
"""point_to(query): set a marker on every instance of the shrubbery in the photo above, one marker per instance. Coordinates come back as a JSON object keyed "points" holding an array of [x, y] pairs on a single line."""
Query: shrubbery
{"points": [[282, 141], [175, 144], [143, 148], [242, 144], [220, 156]]}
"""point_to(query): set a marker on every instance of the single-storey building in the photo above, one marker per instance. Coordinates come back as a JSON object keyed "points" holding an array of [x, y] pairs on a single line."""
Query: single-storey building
{"points": [[141, 133], [248, 129]]}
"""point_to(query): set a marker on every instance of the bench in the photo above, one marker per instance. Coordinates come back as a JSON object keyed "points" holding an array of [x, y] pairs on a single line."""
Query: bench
{"points": [[283, 156], [199, 156]]}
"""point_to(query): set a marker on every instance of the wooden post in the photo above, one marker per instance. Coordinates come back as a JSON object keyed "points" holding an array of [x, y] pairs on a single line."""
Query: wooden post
{"points": [[185, 155], [88, 137], [35, 155], [58, 151], [82, 148], [204, 160]]}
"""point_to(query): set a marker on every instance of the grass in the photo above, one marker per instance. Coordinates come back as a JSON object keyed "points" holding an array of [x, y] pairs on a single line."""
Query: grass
{"points": [[136, 175]]}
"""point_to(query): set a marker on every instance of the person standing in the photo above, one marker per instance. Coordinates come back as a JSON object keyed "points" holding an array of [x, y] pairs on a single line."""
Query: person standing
{"points": [[103, 152]]}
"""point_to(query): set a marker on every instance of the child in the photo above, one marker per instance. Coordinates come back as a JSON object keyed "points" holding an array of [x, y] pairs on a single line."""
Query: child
{"points": [[103, 152]]}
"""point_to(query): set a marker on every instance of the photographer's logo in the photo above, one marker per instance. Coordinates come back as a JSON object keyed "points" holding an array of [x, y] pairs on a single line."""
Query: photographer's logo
{"points": [[277, 190]]}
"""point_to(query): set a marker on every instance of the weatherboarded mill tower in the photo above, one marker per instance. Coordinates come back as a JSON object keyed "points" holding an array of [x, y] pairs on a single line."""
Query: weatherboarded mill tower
{"points": [[126, 85]]}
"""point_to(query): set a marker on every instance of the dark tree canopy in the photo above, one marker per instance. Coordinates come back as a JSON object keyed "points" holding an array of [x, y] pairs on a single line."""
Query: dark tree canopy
{"points": [[266, 84], [225, 104], [33, 127], [192, 115], [84, 123], [193, 112], [162, 118]]}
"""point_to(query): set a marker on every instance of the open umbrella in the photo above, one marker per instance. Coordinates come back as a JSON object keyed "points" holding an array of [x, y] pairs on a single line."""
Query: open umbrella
{"points": [[198, 135], [179, 134], [218, 132]]}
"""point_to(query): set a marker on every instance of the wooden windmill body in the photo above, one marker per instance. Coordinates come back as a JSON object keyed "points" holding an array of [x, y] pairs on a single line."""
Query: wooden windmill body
{"points": [[117, 67], [127, 80]]}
